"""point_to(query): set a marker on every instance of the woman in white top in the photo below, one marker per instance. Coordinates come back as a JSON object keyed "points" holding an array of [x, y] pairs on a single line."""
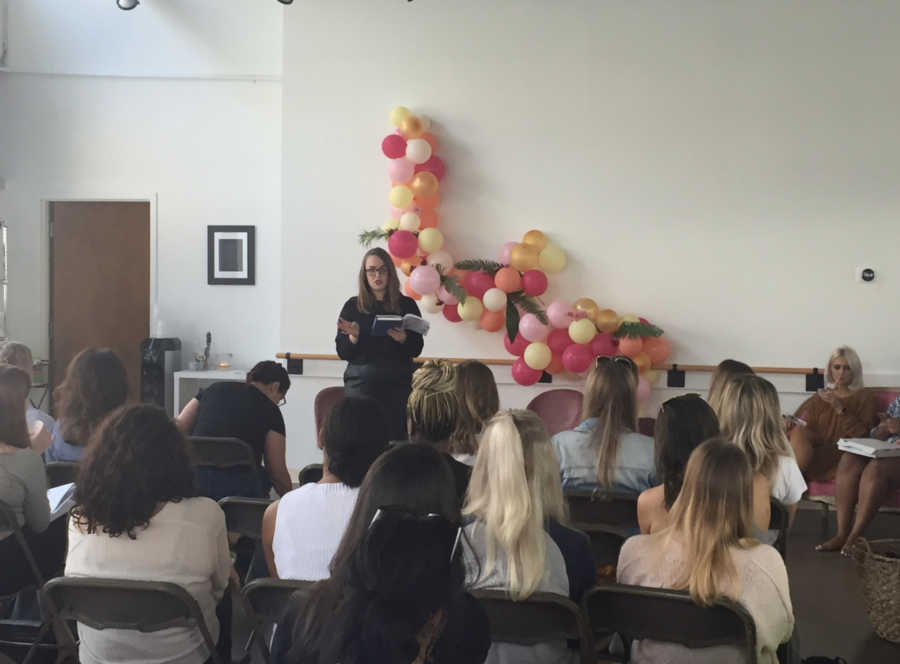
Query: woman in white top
{"points": [[709, 551], [135, 519], [750, 417], [476, 390], [605, 450], [301, 532]]}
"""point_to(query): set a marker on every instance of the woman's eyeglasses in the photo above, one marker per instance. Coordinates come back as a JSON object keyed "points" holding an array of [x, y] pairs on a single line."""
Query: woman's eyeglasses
{"points": [[405, 514], [377, 271]]}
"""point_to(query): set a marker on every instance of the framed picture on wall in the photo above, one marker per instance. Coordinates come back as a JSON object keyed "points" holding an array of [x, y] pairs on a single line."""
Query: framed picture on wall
{"points": [[231, 255]]}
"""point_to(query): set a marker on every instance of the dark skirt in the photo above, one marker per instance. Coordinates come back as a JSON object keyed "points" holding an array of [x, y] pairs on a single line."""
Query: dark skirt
{"points": [[389, 386]]}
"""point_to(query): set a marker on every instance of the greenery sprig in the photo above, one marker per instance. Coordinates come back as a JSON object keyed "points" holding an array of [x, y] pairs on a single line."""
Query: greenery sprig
{"points": [[366, 238], [452, 285], [638, 330], [479, 264]]}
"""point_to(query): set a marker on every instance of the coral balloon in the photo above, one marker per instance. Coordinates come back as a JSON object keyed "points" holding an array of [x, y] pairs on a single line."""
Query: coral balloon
{"points": [[410, 291], [402, 244], [532, 328], [428, 218], [471, 309], [428, 203], [434, 165], [537, 355], [425, 280], [400, 197], [523, 374], [523, 257], [508, 280], [446, 296], [398, 115], [428, 136], [400, 170], [534, 282], [441, 258], [503, 256], [494, 299], [560, 314], [451, 313], [517, 346], [430, 240], [605, 344], [582, 331], [393, 146], [555, 366], [631, 346], [552, 259], [586, 306], [536, 239], [577, 358], [491, 321], [409, 221], [657, 348], [558, 341], [642, 360], [430, 304], [478, 283], [606, 320], [411, 127], [424, 184], [643, 389], [417, 150]]}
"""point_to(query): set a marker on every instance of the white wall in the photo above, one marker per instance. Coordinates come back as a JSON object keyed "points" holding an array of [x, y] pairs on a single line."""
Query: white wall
{"points": [[721, 168], [191, 121]]}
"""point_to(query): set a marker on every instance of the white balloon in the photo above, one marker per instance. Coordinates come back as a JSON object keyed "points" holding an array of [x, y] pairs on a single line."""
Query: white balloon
{"points": [[442, 258], [409, 221], [418, 150], [429, 304], [494, 299]]}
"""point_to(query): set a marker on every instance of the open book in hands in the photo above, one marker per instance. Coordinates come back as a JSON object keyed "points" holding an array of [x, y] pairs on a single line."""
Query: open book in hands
{"points": [[410, 322]]}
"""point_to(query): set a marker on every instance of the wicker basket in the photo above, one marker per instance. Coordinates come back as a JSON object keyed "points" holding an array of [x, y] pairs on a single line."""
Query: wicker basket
{"points": [[878, 562]]}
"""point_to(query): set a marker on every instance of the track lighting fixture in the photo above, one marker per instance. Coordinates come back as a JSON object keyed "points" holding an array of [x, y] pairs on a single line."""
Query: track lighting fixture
{"points": [[127, 4]]}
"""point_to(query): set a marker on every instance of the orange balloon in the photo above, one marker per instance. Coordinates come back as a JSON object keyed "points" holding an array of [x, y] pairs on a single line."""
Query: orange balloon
{"points": [[410, 292], [657, 348], [524, 257], [493, 320], [631, 346], [535, 239], [606, 320], [587, 306], [642, 360], [427, 219], [427, 202], [407, 266], [508, 280], [424, 184], [555, 366], [397, 261], [411, 127], [432, 141]]}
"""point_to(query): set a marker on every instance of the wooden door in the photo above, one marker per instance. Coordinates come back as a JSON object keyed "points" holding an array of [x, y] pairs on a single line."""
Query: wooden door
{"points": [[99, 283]]}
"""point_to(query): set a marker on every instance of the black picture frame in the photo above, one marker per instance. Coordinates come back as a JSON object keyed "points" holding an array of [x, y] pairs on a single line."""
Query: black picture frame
{"points": [[231, 255]]}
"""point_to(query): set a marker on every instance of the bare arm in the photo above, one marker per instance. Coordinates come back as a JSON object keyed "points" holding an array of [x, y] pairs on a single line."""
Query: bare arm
{"points": [[761, 507], [276, 465], [791, 512], [40, 438], [644, 511], [268, 535], [187, 418]]}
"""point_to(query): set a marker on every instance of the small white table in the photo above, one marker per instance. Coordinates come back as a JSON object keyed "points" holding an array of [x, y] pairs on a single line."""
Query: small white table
{"points": [[201, 378]]}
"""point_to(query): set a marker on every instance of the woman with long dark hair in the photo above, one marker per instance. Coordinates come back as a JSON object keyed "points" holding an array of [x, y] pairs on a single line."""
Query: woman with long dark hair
{"points": [[380, 367], [396, 593]]}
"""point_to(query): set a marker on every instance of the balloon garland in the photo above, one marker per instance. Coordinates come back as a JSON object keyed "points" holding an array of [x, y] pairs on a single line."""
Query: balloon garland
{"points": [[502, 293]]}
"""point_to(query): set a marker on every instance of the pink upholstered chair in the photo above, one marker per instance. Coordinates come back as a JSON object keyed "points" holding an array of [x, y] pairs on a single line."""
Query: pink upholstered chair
{"points": [[560, 409], [326, 399]]}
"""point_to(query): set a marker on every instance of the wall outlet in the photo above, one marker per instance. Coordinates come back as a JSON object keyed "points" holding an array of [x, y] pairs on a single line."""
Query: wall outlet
{"points": [[866, 275]]}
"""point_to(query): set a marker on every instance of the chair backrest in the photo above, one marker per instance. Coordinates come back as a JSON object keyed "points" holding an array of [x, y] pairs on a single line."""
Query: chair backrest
{"points": [[636, 612], [309, 474], [215, 452], [541, 618], [326, 399], [778, 521], [602, 506], [61, 472], [144, 606], [559, 409], [9, 523], [244, 515], [884, 396], [606, 542], [266, 601]]}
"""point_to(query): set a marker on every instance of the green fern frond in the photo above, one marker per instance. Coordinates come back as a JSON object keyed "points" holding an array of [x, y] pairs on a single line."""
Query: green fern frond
{"points": [[476, 264], [366, 238]]}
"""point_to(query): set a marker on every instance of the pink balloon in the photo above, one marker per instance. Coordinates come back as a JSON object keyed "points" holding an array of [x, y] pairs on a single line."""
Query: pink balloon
{"points": [[560, 314], [516, 347], [403, 244], [425, 280], [532, 329], [534, 282], [643, 389], [396, 212], [558, 340], [503, 258], [434, 165], [447, 297], [604, 344], [451, 313], [577, 358], [400, 170], [477, 283], [393, 146], [523, 374]]}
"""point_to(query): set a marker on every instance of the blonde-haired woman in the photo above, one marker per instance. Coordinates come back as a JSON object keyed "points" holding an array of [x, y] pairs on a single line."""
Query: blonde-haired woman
{"points": [[709, 551], [605, 449], [516, 540], [478, 402], [725, 371], [842, 410], [750, 418]]}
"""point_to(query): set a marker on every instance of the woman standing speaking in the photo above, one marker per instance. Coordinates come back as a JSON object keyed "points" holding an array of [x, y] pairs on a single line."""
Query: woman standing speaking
{"points": [[378, 366]]}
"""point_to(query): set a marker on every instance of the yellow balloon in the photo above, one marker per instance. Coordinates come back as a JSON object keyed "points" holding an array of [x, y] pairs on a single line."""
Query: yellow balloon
{"points": [[537, 355], [587, 306], [391, 225], [536, 239], [401, 196], [398, 115], [630, 318], [552, 259], [523, 257], [431, 240], [652, 376], [607, 320], [582, 331], [471, 309]]}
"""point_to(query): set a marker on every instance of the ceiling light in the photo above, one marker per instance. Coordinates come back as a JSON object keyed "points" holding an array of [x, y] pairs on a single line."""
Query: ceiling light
{"points": [[127, 4], [285, 2]]}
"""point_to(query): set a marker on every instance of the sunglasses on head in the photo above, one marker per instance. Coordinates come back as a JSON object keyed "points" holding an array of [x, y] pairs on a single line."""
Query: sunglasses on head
{"points": [[403, 513], [617, 359]]}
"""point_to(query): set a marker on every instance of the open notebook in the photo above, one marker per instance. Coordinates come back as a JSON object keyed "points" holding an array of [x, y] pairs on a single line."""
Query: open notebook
{"points": [[61, 499], [870, 447], [410, 322]]}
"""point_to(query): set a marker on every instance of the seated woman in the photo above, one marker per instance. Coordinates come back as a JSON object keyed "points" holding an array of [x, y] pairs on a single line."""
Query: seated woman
{"points": [[41, 426], [478, 402], [23, 490], [396, 591], [19, 383], [709, 551], [605, 450], [862, 485], [682, 424], [725, 371], [842, 410], [248, 411], [95, 385], [135, 518], [302, 530], [751, 419]]}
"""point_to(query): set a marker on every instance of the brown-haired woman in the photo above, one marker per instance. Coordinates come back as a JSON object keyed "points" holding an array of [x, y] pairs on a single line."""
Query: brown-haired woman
{"points": [[380, 367], [136, 518], [94, 386], [476, 391]]}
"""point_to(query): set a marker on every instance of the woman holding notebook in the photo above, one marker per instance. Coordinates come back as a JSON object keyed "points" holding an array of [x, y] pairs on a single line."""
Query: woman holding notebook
{"points": [[379, 360]]}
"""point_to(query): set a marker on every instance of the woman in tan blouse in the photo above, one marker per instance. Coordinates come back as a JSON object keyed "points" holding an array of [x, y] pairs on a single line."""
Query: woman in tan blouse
{"points": [[842, 410]]}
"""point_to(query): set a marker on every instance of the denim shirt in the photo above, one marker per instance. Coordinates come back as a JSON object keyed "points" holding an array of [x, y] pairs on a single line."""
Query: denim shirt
{"points": [[60, 450], [634, 470], [892, 411]]}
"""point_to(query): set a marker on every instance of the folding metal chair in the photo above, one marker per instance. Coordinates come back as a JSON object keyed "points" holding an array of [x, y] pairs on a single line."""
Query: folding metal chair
{"points": [[244, 516], [266, 600], [225, 453]]}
